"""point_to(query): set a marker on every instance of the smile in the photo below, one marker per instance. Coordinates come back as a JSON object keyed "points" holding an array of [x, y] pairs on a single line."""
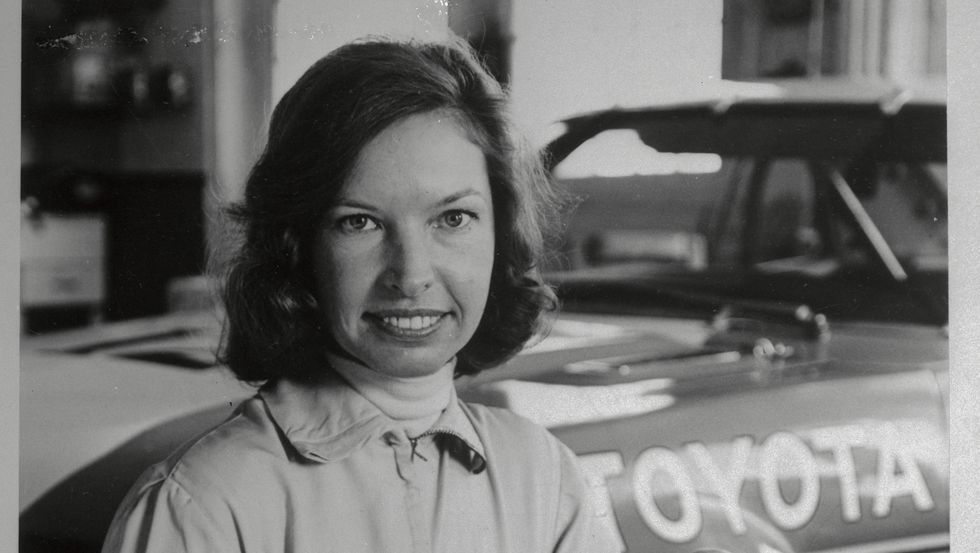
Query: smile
{"points": [[408, 324], [412, 323]]}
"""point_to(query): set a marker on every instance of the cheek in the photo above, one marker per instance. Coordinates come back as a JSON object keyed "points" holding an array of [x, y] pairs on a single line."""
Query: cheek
{"points": [[342, 282], [486, 262], [476, 264]]}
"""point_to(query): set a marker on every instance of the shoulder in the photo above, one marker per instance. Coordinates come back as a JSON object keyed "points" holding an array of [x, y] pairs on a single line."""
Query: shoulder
{"points": [[507, 434], [196, 494], [538, 474], [227, 478], [503, 421], [227, 454]]}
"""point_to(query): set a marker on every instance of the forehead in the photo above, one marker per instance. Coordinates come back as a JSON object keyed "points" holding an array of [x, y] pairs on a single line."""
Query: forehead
{"points": [[426, 153]]}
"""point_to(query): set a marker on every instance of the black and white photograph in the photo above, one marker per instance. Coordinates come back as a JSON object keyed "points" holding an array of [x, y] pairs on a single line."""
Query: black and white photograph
{"points": [[659, 276]]}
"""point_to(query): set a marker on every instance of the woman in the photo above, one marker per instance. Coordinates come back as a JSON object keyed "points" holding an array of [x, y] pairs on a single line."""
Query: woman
{"points": [[391, 231]]}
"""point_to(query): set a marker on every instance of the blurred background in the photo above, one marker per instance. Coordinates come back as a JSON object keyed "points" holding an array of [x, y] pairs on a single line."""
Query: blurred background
{"points": [[141, 117]]}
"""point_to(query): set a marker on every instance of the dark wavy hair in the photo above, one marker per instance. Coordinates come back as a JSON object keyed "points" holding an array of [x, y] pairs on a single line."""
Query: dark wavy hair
{"points": [[273, 328]]}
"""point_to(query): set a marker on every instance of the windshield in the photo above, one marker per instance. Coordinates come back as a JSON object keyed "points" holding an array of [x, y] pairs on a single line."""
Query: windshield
{"points": [[839, 234], [636, 205]]}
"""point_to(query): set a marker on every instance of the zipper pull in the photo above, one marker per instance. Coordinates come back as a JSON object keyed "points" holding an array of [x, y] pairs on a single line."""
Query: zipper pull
{"points": [[415, 453]]}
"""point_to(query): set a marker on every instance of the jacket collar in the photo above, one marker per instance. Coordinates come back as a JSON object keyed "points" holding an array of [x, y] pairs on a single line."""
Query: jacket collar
{"points": [[327, 420]]}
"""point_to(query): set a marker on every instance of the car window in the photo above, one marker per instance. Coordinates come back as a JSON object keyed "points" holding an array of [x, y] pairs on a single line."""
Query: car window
{"points": [[634, 205], [908, 205], [631, 203], [774, 218], [785, 213]]}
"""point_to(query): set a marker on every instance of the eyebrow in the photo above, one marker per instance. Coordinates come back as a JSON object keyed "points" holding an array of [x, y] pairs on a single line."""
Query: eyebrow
{"points": [[459, 195], [344, 202], [456, 196]]}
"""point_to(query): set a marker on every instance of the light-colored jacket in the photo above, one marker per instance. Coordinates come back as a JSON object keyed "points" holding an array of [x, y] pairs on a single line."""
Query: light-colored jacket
{"points": [[320, 469]]}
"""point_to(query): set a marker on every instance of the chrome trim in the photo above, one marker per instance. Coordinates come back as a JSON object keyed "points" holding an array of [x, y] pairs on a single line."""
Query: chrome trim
{"points": [[914, 544]]}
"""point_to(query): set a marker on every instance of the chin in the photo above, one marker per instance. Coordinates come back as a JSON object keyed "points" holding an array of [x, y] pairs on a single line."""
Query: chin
{"points": [[406, 365]]}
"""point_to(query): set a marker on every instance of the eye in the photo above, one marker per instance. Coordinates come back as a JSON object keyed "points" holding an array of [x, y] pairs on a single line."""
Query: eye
{"points": [[356, 223], [457, 218]]}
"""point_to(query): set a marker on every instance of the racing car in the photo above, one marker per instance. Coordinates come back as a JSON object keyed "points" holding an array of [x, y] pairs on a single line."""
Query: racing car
{"points": [[752, 354]]}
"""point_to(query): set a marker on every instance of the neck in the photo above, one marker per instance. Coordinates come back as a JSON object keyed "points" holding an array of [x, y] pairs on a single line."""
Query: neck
{"points": [[414, 401]]}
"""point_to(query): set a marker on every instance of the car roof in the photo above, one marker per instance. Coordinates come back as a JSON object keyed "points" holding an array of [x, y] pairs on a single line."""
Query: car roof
{"points": [[824, 118]]}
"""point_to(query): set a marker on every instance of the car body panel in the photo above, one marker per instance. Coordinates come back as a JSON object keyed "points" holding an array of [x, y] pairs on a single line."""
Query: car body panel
{"points": [[71, 411], [76, 407], [795, 441], [722, 440]]}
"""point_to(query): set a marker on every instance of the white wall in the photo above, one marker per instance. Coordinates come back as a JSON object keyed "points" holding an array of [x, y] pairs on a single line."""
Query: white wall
{"points": [[575, 55], [567, 55]]}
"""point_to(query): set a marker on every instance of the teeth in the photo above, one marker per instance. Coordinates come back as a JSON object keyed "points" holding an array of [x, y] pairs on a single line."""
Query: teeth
{"points": [[411, 323]]}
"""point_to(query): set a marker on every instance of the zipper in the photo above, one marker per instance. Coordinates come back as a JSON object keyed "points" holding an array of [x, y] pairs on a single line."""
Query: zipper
{"points": [[430, 432], [433, 431]]}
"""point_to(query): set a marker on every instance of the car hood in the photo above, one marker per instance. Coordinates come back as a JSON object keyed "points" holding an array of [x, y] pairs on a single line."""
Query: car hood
{"points": [[649, 363], [75, 408]]}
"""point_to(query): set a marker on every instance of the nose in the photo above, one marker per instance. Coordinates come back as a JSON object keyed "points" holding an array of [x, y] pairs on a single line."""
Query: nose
{"points": [[409, 271]]}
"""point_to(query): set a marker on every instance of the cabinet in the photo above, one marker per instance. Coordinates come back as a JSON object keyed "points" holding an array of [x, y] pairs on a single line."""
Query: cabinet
{"points": [[117, 90]]}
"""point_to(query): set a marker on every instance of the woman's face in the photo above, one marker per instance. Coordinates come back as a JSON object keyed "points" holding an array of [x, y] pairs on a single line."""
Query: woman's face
{"points": [[403, 259]]}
